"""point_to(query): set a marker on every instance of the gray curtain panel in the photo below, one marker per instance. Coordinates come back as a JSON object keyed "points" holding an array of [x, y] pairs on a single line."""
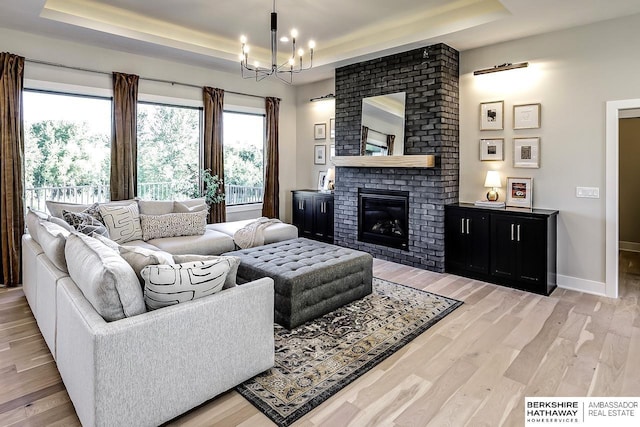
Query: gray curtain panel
{"points": [[271, 200], [11, 166], [124, 138], [213, 149]]}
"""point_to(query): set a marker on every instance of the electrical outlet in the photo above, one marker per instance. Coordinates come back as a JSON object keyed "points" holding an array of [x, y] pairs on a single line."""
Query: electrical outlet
{"points": [[588, 192]]}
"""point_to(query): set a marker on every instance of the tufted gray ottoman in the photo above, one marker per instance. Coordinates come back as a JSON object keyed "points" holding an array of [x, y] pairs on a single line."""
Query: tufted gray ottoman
{"points": [[311, 278]]}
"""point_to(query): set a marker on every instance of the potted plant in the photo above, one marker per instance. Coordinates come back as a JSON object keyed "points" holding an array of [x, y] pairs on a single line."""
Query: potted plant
{"points": [[213, 188]]}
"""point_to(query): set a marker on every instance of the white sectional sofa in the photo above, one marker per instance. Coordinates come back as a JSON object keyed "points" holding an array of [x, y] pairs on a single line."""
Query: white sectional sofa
{"points": [[149, 368]]}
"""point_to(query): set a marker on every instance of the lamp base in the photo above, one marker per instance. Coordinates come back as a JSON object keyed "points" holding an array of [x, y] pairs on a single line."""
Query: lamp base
{"points": [[492, 196]]}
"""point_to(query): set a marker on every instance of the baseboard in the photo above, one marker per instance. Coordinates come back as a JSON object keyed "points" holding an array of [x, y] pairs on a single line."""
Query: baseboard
{"points": [[581, 285], [629, 246]]}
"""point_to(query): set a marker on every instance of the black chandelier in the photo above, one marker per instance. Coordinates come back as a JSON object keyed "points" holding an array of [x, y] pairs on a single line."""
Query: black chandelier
{"points": [[284, 71]]}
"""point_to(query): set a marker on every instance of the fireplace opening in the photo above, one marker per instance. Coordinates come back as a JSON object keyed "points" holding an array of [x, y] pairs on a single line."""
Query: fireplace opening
{"points": [[383, 217]]}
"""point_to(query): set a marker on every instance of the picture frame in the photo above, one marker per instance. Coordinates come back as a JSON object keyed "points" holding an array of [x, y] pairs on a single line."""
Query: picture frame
{"points": [[320, 131], [332, 128], [332, 151], [526, 153], [492, 115], [319, 154], [519, 192], [322, 177], [526, 116], [492, 149]]}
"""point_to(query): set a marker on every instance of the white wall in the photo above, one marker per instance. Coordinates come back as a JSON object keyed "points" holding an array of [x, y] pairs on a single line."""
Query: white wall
{"points": [[86, 56], [308, 114], [572, 74]]}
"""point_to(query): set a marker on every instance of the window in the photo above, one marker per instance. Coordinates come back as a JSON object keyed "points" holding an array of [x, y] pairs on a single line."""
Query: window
{"points": [[67, 148], [244, 139], [168, 151]]}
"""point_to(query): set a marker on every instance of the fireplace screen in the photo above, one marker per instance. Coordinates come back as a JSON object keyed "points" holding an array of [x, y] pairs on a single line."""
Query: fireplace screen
{"points": [[383, 217]]}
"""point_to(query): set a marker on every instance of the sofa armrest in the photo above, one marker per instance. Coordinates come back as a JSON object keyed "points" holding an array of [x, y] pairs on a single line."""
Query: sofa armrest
{"points": [[147, 369]]}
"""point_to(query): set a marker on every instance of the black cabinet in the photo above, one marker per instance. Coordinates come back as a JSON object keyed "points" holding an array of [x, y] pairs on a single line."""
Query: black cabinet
{"points": [[313, 214], [507, 246], [466, 235]]}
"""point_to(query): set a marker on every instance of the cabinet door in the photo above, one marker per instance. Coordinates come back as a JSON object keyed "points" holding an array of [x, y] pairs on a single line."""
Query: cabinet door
{"points": [[477, 245], [531, 237], [503, 246], [323, 211], [467, 240], [455, 239], [303, 214]]}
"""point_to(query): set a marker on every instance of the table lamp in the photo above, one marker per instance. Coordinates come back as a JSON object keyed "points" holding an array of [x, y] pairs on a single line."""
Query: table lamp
{"points": [[492, 181]]}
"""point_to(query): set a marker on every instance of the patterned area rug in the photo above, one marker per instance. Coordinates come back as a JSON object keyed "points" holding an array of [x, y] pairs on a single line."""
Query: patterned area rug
{"points": [[317, 359]]}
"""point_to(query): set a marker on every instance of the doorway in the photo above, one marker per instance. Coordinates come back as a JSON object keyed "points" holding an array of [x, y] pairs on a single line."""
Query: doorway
{"points": [[612, 174]]}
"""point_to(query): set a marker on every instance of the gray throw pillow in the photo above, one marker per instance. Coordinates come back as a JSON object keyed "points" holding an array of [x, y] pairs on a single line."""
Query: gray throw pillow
{"points": [[84, 222], [233, 261], [166, 285], [105, 279], [138, 258]]}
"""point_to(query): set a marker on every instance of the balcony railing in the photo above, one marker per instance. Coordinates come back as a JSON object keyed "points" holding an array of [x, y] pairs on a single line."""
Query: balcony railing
{"points": [[86, 194]]}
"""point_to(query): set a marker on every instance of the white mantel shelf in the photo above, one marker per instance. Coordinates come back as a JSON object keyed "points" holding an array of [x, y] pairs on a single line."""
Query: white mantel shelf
{"points": [[421, 161]]}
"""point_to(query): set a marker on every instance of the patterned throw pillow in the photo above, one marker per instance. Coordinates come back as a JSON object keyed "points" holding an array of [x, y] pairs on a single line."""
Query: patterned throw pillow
{"points": [[122, 221], [173, 225], [166, 285], [233, 261], [85, 223]]}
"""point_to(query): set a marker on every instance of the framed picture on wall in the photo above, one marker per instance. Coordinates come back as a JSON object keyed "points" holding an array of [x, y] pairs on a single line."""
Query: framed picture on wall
{"points": [[320, 131], [492, 115], [322, 177], [332, 128], [526, 116], [320, 155], [526, 152], [332, 151], [492, 149], [519, 192]]}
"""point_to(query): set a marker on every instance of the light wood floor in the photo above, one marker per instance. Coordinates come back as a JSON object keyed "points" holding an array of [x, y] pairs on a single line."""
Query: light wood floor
{"points": [[473, 368]]}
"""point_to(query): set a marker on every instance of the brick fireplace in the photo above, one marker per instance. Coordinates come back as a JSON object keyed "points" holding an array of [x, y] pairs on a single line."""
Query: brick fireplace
{"points": [[429, 76]]}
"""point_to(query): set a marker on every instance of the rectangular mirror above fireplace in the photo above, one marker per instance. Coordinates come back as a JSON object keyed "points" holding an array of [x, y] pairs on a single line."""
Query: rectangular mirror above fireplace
{"points": [[382, 130]]}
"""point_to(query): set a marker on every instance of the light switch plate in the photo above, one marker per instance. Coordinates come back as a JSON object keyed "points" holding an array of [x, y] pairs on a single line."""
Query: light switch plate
{"points": [[588, 192]]}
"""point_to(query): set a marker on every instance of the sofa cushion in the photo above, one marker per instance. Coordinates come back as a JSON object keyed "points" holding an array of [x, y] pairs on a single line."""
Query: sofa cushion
{"points": [[173, 225], [107, 242], [166, 285], [181, 207], [209, 243], [61, 222], [122, 221], [33, 222], [84, 222], [233, 261], [138, 258], [104, 277], [155, 207], [53, 239]]}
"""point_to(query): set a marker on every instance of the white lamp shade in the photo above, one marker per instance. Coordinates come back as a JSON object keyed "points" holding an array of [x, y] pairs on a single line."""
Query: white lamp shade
{"points": [[493, 180], [331, 174]]}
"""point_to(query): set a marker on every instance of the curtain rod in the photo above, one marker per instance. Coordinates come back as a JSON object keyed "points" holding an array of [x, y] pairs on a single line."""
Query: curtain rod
{"points": [[149, 79]]}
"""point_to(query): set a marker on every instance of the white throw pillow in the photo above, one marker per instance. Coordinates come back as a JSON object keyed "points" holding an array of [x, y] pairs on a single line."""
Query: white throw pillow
{"points": [[233, 261], [105, 279], [33, 222], [122, 221], [173, 225], [166, 285]]}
